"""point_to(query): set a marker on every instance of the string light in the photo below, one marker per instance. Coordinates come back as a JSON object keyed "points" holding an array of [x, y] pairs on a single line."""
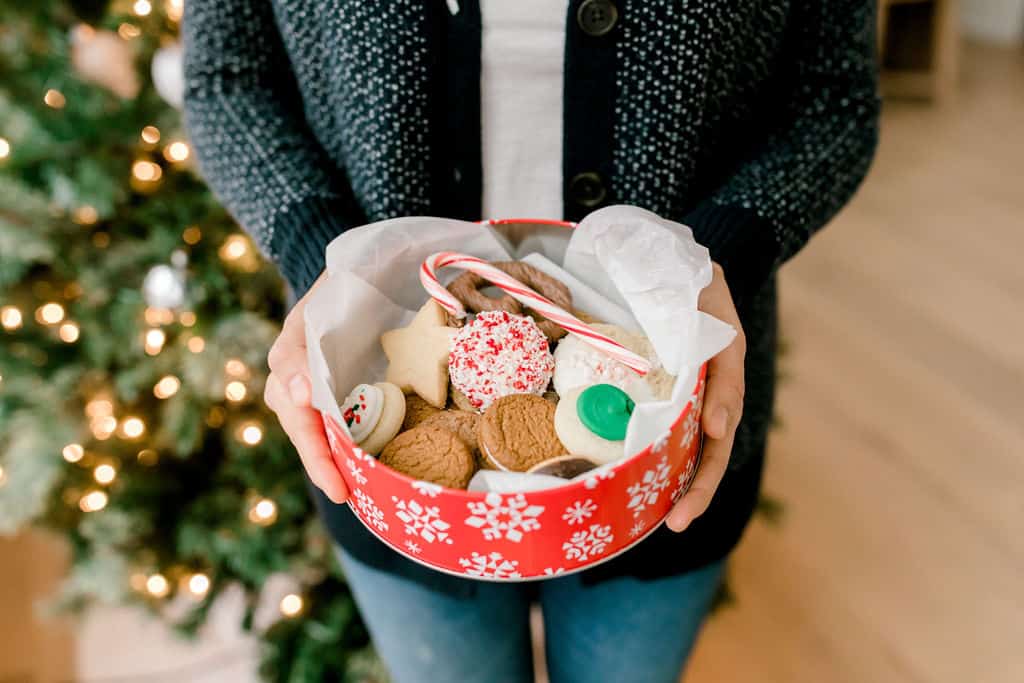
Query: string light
{"points": [[150, 135], [234, 247], [137, 581], [128, 31], [187, 318], [142, 8], [146, 171], [10, 317], [192, 234], [153, 341], [93, 501], [196, 344], [3, 475], [68, 332], [133, 427], [263, 512], [157, 586], [167, 386], [5, 148], [72, 290], [85, 215], [50, 313], [176, 152], [103, 427], [174, 9], [158, 316], [104, 474], [73, 452], [147, 457], [235, 368], [198, 584], [291, 605], [54, 99], [99, 407], [250, 434], [235, 391]]}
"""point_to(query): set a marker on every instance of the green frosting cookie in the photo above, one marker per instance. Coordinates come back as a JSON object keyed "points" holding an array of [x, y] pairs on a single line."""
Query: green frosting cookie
{"points": [[605, 410]]}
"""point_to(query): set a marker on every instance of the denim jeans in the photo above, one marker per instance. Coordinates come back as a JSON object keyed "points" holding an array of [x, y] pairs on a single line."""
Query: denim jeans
{"points": [[621, 629]]}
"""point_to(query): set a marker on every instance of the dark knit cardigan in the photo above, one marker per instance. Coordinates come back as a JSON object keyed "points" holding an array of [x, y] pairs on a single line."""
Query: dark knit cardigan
{"points": [[752, 122]]}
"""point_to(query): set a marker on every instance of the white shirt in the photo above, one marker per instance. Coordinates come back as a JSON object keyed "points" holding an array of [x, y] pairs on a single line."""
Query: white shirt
{"points": [[521, 74]]}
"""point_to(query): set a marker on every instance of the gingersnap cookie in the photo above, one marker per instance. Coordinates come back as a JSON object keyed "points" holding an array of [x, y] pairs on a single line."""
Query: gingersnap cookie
{"points": [[498, 354], [518, 431], [416, 411], [461, 422], [468, 286], [373, 414], [564, 466], [431, 454], [459, 400], [592, 421]]}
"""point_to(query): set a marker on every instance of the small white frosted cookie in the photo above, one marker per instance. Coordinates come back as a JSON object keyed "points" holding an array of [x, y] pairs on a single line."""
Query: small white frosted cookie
{"points": [[579, 364], [607, 417], [373, 414]]}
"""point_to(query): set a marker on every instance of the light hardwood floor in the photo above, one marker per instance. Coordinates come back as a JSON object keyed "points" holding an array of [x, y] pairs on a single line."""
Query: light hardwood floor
{"points": [[900, 556]]}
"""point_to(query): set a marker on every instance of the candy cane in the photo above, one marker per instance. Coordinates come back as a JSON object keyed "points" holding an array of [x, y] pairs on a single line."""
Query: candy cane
{"points": [[524, 295]]}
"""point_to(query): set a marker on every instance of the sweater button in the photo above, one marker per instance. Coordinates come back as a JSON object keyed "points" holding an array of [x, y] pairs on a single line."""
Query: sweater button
{"points": [[587, 189], [597, 17]]}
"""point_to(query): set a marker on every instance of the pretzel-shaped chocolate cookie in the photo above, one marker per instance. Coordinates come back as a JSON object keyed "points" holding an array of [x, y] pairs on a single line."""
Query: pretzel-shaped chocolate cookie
{"points": [[467, 289]]}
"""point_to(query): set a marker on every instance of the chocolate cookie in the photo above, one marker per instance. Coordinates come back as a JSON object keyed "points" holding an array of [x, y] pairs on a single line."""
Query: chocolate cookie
{"points": [[461, 422], [416, 411], [518, 431], [564, 466], [431, 454]]}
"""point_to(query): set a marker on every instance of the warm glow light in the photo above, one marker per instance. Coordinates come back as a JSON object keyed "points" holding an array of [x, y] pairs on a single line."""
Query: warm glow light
{"points": [[10, 317], [93, 501], [146, 171], [196, 344], [5, 148], [85, 215], [103, 427], [234, 391], [157, 586], [176, 151], [235, 368], [167, 386], [192, 234], [104, 474], [291, 605], [3, 475], [142, 8], [128, 31], [187, 318], [99, 407], [147, 457], [174, 9], [54, 98], [150, 135], [158, 316], [73, 452], [50, 314], [263, 512], [234, 247], [133, 427], [68, 332], [198, 584], [154, 341], [251, 434]]}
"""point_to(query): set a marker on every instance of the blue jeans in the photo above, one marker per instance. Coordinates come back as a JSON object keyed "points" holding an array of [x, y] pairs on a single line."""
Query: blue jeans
{"points": [[622, 629]]}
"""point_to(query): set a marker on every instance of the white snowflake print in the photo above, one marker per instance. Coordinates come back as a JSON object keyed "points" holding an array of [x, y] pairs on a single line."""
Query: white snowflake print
{"points": [[588, 543], [636, 529], [413, 547], [683, 480], [369, 511], [507, 518], [554, 571], [645, 492], [356, 471], [360, 454], [491, 566], [579, 511], [690, 428], [427, 488], [422, 520], [661, 442], [598, 474]]}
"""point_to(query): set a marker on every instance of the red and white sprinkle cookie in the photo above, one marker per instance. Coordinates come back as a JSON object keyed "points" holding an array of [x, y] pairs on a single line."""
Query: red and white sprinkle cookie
{"points": [[498, 354]]}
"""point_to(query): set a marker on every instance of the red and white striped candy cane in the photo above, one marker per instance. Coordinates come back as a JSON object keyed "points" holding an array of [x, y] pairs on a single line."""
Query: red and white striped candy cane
{"points": [[531, 299]]}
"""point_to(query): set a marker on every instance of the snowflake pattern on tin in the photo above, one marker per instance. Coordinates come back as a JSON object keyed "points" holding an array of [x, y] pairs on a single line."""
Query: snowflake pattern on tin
{"points": [[427, 488], [509, 518], [636, 529], [413, 547], [579, 511], [661, 442], [490, 566], [645, 492], [690, 428], [422, 520], [360, 454], [553, 571], [356, 471], [369, 511], [683, 480], [588, 543], [599, 474]]}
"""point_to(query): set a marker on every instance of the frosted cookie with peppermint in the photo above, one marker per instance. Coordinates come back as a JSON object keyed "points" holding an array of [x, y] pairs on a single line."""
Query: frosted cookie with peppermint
{"points": [[373, 414], [499, 354]]}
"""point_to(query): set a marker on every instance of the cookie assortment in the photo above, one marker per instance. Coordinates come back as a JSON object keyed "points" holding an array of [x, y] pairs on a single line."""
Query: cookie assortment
{"points": [[524, 385]]}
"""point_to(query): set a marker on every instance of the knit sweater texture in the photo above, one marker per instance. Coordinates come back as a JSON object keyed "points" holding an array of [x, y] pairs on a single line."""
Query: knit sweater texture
{"points": [[752, 122]]}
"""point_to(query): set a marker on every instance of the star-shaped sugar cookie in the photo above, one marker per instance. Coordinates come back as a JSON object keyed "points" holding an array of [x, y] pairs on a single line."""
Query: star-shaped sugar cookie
{"points": [[418, 355]]}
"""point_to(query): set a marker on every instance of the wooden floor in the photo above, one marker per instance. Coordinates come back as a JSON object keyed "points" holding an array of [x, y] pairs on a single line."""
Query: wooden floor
{"points": [[901, 461]]}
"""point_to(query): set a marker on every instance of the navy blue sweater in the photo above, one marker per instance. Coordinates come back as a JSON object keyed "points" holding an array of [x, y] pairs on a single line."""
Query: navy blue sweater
{"points": [[752, 122]]}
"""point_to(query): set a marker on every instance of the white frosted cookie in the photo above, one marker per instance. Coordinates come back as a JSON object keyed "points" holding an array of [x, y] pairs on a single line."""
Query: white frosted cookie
{"points": [[373, 414], [577, 438], [578, 364]]}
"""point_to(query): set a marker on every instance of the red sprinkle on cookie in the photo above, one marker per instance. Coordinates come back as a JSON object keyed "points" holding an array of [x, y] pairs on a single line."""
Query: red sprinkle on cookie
{"points": [[499, 354]]}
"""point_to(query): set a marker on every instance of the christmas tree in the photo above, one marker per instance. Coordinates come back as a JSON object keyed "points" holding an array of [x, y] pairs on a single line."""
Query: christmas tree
{"points": [[136, 317]]}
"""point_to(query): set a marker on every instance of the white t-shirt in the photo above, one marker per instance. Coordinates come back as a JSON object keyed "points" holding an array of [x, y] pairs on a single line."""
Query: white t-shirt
{"points": [[521, 73]]}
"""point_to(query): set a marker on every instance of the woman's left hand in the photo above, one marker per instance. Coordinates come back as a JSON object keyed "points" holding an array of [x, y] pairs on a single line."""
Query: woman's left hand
{"points": [[723, 406]]}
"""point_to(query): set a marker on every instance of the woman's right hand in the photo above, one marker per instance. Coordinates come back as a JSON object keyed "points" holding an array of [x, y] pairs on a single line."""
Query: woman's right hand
{"points": [[288, 393]]}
